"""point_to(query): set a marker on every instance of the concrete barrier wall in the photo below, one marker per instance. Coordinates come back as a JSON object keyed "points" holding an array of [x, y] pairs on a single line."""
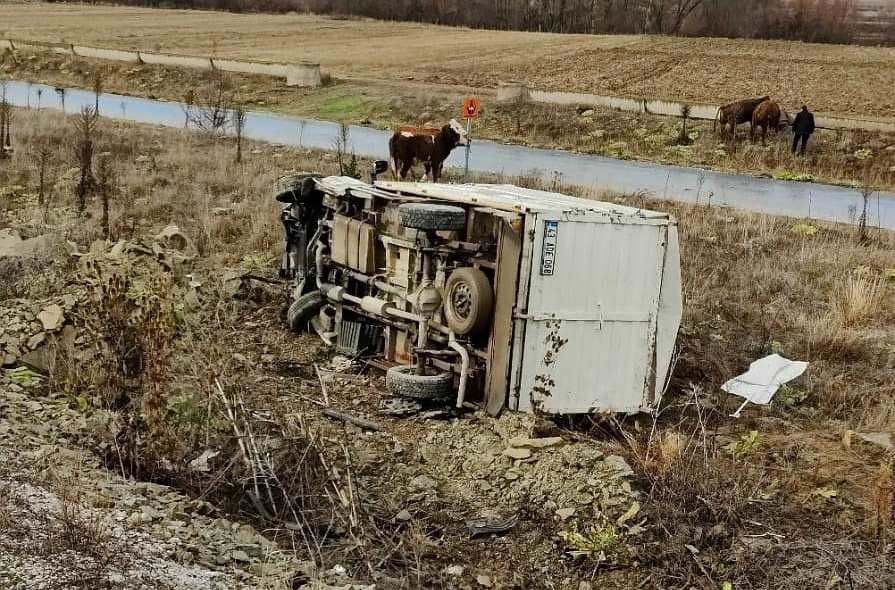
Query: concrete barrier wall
{"points": [[39, 47], [697, 111], [294, 74], [246, 67], [853, 124], [673, 109], [513, 91], [111, 54], [633, 105], [306, 75], [180, 61]]}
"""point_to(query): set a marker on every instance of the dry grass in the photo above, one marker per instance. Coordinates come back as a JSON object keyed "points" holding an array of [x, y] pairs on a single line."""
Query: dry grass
{"points": [[752, 286], [832, 78], [749, 279], [857, 298], [832, 157], [164, 177]]}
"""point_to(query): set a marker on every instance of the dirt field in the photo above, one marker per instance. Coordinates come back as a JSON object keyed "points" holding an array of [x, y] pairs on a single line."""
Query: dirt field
{"points": [[830, 78]]}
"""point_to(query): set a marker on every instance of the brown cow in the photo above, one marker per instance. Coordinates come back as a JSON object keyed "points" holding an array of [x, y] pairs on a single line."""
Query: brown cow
{"points": [[432, 150], [737, 113], [766, 115]]}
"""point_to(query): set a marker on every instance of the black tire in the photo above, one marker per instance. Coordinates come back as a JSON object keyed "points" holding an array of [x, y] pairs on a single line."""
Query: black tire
{"points": [[430, 216], [468, 301], [403, 381], [303, 309], [295, 188]]}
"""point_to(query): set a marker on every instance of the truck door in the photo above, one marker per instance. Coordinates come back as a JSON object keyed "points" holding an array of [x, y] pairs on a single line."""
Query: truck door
{"points": [[590, 319]]}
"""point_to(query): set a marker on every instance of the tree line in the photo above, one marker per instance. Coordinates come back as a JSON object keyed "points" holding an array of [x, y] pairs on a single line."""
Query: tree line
{"points": [[820, 21]]}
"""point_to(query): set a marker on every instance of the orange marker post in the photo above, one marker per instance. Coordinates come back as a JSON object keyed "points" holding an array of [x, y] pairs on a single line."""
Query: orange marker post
{"points": [[469, 110]]}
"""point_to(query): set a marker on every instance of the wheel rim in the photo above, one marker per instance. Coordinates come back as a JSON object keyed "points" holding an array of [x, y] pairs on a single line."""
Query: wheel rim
{"points": [[462, 300]]}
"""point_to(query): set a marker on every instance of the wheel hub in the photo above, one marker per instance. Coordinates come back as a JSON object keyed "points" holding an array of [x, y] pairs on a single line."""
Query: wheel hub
{"points": [[461, 300]]}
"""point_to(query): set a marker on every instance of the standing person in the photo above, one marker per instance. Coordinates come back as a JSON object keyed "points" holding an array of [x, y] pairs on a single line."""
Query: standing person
{"points": [[802, 128]]}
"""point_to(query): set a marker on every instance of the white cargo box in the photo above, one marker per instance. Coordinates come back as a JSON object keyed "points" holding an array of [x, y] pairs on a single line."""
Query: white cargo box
{"points": [[597, 299]]}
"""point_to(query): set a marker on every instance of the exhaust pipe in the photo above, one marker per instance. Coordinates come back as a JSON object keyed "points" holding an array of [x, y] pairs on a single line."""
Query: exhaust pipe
{"points": [[464, 367]]}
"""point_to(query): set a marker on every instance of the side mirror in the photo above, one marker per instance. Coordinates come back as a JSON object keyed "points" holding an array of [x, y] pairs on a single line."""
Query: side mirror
{"points": [[379, 166]]}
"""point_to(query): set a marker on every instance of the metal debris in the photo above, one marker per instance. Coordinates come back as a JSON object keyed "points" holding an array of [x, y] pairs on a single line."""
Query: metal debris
{"points": [[484, 526], [399, 406], [351, 419]]}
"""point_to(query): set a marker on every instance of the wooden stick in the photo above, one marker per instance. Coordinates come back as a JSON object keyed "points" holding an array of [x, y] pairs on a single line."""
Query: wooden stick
{"points": [[322, 385], [345, 417]]}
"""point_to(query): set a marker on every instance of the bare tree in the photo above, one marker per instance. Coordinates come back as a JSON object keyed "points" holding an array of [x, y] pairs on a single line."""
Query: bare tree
{"points": [[5, 122], [301, 131], [342, 146], [42, 158], [210, 106], [189, 102], [98, 83], [85, 132], [654, 19], [5, 113], [239, 122], [867, 191], [680, 12], [683, 137], [105, 187]]}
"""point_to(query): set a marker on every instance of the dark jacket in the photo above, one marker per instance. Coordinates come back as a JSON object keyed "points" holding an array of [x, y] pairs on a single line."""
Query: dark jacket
{"points": [[804, 123]]}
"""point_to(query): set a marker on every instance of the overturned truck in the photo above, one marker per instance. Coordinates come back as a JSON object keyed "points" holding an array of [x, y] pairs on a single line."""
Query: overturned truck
{"points": [[522, 299]]}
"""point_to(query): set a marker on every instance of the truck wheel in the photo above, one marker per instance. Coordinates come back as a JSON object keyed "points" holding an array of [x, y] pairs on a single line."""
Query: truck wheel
{"points": [[430, 216], [303, 309], [295, 188], [403, 381], [468, 301]]}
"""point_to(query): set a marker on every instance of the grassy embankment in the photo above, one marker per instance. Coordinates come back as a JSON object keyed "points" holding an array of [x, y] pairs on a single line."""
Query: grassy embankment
{"points": [[851, 158]]}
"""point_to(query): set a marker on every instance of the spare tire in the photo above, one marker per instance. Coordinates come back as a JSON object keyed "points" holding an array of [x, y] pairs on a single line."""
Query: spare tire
{"points": [[468, 301], [431, 216], [303, 309], [403, 381]]}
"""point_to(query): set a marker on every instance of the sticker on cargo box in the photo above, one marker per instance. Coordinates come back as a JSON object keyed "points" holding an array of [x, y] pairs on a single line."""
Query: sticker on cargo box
{"points": [[548, 249]]}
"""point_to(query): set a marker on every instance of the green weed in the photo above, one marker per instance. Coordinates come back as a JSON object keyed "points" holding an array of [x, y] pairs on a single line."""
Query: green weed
{"points": [[745, 445], [595, 541]]}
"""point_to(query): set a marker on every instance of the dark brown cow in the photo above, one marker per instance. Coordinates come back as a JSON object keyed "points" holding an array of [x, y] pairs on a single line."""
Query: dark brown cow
{"points": [[406, 147], [737, 113], [766, 115]]}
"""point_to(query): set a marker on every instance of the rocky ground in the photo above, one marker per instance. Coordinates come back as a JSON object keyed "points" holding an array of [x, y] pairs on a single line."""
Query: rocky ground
{"points": [[67, 521]]}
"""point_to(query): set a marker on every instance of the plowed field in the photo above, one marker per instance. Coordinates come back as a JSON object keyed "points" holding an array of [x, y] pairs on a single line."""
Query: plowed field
{"points": [[830, 78]]}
